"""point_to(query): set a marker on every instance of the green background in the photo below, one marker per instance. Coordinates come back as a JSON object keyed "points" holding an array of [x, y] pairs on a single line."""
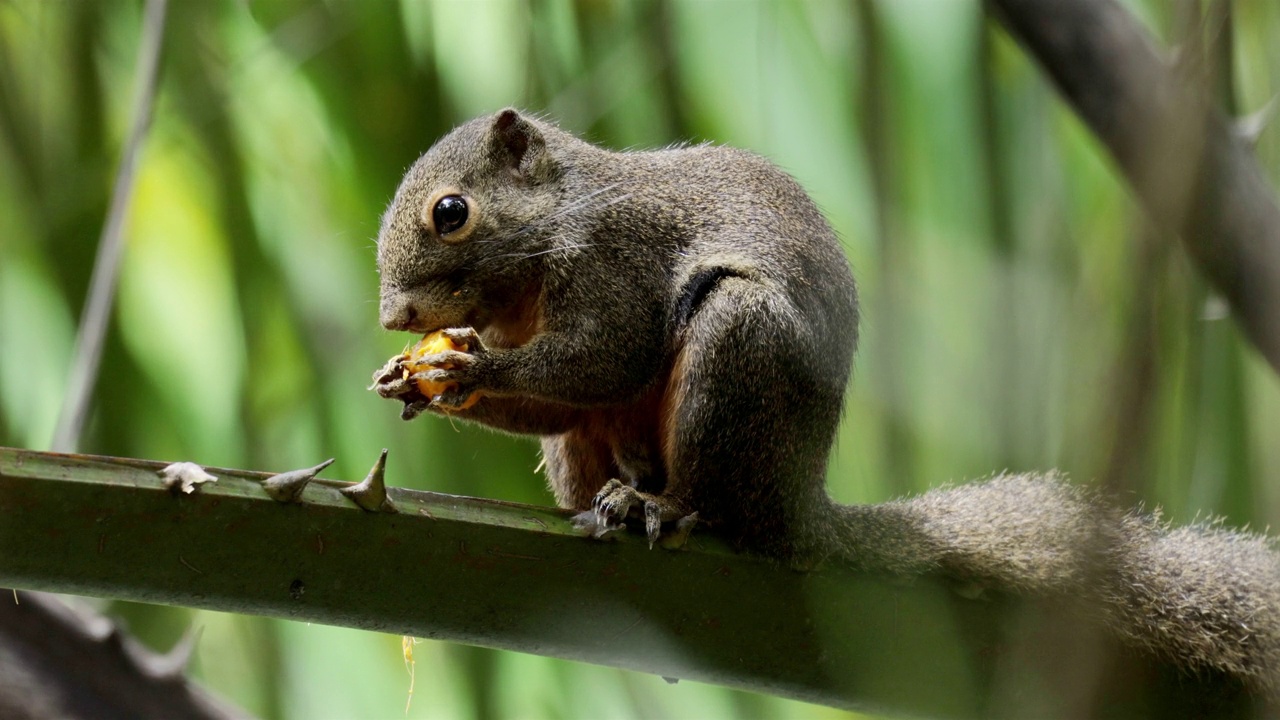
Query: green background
{"points": [[1017, 312]]}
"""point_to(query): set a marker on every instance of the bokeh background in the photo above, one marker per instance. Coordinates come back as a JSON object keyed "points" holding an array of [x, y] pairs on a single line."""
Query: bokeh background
{"points": [[1018, 312]]}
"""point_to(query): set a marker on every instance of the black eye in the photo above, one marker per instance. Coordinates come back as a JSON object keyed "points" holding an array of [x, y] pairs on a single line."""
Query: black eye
{"points": [[449, 214]]}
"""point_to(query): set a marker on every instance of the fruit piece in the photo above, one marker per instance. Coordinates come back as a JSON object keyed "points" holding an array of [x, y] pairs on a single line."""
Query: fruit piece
{"points": [[431, 344]]}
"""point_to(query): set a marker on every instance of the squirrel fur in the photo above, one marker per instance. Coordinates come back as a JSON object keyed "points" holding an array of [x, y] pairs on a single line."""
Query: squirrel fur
{"points": [[678, 327]]}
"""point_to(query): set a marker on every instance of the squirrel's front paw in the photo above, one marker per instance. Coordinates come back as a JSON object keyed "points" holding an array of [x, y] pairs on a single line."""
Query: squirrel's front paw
{"points": [[457, 375], [440, 373], [392, 382]]}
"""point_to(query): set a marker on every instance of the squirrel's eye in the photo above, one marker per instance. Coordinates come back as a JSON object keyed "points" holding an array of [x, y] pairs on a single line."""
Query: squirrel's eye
{"points": [[449, 214]]}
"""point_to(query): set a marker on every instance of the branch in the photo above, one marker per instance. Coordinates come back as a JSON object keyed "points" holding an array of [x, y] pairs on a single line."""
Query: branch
{"points": [[1191, 171], [518, 577], [65, 662]]}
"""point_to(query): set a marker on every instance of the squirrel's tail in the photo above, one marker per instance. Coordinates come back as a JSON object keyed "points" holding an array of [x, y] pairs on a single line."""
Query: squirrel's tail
{"points": [[1201, 597]]}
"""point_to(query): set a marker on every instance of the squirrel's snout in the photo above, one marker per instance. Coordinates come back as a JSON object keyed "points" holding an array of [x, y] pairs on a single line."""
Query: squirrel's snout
{"points": [[420, 310], [397, 312]]}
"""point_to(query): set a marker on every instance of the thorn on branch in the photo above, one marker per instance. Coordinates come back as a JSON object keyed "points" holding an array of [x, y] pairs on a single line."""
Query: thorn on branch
{"points": [[371, 494], [173, 664], [287, 487]]}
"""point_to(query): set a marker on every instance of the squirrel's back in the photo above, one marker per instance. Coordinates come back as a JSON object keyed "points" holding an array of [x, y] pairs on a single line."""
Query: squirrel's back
{"points": [[728, 211]]}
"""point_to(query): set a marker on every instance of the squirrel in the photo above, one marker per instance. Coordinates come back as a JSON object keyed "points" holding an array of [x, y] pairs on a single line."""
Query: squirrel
{"points": [[678, 326]]}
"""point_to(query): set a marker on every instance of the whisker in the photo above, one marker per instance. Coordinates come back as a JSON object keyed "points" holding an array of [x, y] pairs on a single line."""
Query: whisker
{"points": [[562, 247], [597, 200], [525, 256], [572, 207], [620, 198]]}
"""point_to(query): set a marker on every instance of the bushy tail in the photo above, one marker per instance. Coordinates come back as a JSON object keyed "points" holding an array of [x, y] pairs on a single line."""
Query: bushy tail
{"points": [[1202, 597]]}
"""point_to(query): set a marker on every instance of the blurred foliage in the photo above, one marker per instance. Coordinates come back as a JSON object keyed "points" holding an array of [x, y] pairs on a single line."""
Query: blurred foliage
{"points": [[1018, 314]]}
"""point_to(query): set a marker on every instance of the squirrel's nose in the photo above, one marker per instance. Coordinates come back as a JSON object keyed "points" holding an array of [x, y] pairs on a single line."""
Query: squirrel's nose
{"points": [[396, 312]]}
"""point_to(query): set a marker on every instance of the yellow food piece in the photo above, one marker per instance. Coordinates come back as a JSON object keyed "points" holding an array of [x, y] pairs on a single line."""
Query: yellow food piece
{"points": [[431, 344]]}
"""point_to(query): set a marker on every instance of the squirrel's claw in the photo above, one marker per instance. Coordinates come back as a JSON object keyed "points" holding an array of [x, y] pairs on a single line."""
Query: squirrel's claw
{"points": [[389, 380], [461, 372], [453, 359], [589, 521], [435, 375], [652, 521], [452, 399], [466, 338], [616, 500], [392, 388], [413, 408]]}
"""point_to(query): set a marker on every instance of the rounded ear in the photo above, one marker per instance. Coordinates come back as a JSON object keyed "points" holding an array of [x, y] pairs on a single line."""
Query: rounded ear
{"points": [[516, 143]]}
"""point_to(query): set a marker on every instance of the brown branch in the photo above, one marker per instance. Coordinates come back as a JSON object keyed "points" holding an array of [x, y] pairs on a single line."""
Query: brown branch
{"points": [[1191, 171], [61, 661]]}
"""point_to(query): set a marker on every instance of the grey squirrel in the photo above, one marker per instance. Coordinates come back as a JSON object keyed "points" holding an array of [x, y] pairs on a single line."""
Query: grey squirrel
{"points": [[678, 326]]}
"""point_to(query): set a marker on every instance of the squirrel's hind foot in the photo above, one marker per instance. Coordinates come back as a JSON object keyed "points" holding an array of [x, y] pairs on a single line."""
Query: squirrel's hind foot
{"points": [[618, 500]]}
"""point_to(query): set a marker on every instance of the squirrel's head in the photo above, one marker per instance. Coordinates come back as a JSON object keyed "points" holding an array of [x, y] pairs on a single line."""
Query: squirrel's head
{"points": [[462, 235]]}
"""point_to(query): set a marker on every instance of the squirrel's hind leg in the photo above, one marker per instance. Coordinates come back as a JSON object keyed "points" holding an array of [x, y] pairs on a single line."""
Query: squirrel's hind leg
{"points": [[749, 417], [578, 464]]}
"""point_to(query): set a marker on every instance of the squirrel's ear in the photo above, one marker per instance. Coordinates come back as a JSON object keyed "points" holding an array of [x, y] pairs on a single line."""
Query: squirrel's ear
{"points": [[516, 142]]}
